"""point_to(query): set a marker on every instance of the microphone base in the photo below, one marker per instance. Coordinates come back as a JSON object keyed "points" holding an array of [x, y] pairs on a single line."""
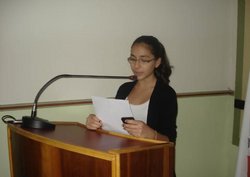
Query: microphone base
{"points": [[37, 123]]}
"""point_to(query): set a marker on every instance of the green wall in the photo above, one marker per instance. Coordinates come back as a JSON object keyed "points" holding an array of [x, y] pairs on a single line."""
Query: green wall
{"points": [[204, 148], [204, 144]]}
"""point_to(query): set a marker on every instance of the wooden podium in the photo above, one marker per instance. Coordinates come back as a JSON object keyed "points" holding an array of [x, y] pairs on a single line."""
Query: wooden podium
{"points": [[71, 150]]}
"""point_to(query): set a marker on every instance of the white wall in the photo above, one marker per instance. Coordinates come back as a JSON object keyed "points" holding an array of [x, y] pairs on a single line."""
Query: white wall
{"points": [[41, 39]]}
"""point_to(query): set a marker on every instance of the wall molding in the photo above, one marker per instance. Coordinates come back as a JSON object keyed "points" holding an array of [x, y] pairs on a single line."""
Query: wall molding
{"points": [[88, 101]]}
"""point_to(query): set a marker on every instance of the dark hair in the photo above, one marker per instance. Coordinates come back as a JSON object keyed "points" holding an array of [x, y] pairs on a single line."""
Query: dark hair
{"points": [[164, 70]]}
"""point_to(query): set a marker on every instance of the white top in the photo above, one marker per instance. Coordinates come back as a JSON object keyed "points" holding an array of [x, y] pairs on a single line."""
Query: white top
{"points": [[140, 111]]}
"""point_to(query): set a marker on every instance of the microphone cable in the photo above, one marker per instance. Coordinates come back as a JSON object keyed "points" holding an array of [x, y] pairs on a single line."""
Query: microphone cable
{"points": [[10, 119]]}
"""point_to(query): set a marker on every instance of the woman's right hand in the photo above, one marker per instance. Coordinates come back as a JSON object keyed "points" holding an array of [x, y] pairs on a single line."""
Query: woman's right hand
{"points": [[93, 122]]}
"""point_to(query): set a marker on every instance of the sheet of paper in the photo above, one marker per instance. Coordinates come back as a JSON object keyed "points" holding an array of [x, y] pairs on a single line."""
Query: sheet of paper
{"points": [[110, 111]]}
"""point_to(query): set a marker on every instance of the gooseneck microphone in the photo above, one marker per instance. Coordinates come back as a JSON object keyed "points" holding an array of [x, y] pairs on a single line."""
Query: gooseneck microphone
{"points": [[35, 122]]}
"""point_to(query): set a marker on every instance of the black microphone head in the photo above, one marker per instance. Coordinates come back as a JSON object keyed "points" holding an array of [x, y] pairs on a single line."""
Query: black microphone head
{"points": [[133, 77]]}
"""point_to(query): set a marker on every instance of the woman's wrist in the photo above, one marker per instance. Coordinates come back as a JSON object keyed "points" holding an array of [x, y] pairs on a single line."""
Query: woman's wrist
{"points": [[155, 135]]}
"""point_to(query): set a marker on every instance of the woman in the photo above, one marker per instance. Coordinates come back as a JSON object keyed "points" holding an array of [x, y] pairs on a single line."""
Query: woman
{"points": [[153, 102]]}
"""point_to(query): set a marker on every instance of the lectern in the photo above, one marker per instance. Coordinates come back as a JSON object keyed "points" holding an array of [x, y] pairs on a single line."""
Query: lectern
{"points": [[71, 150]]}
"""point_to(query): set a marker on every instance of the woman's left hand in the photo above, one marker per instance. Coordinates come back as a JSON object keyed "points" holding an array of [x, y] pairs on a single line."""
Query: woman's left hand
{"points": [[139, 129]]}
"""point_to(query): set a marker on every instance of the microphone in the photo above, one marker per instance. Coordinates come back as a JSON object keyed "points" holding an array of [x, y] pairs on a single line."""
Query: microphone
{"points": [[38, 123]]}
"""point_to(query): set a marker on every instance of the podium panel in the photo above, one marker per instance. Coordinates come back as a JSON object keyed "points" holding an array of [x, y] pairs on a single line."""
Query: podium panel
{"points": [[71, 150]]}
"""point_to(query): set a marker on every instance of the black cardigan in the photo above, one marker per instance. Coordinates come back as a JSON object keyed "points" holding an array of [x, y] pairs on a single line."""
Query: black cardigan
{"points": [[162, 110]]}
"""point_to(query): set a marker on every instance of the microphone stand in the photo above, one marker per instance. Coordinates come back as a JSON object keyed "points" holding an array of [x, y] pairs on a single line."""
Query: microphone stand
{"points": [[35, 122]]}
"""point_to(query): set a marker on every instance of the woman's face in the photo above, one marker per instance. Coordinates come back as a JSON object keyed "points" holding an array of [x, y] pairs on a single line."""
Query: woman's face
{"points": [[142, 61]]}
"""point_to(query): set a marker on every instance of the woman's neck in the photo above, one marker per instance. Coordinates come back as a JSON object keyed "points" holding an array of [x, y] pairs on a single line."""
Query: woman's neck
{"points": [[142, 91], [147, 82]]}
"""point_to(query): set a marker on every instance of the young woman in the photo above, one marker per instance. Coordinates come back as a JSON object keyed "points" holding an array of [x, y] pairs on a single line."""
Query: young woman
{"points": [[153, 102]]}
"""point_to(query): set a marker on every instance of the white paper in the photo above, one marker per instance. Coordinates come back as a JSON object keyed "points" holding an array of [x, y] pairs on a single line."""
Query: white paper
{"points": [[110, 111]]}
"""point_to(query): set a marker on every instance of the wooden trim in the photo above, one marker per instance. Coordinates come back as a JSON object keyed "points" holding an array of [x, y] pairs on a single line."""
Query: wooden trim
{"points": [[205, 93], [45, 104], [88, 101], [10, 152]]}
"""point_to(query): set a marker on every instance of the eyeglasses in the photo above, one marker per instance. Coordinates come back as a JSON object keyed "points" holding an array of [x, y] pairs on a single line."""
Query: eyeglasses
{"points": [[142, 61]]}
